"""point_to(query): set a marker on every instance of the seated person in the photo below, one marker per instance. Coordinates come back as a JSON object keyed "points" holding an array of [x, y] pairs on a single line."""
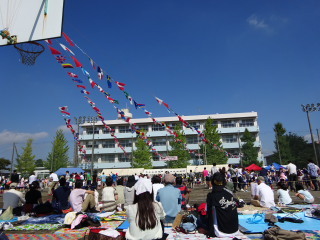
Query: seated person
{"points": [[145, 214], [129, 191], [77, 198], [170, 198], [283, 193], [61, 195], [156, 185], [184, 191], [120, 190], [109, 196], [264, 195], [12, 198], [304, 194], [222, 215], [33, 197]]}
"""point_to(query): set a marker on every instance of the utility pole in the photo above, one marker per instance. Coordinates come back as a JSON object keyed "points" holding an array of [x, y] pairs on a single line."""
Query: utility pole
{"points": [[93, 120], [311, 108], [12, 157]]}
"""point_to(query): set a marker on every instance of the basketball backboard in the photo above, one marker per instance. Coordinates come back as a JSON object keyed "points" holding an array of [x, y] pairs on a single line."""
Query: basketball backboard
{"points": [[30, 20]]}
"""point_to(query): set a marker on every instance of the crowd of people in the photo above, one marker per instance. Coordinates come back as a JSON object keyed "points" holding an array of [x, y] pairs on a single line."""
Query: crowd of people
{"points": [[152, 201]]}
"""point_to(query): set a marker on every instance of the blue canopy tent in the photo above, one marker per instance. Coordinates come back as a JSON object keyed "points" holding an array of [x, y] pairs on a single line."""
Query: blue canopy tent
{"points": [[277, 166], [62, 171]]}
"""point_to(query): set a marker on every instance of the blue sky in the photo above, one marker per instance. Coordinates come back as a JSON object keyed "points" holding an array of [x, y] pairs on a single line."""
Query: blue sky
{"points": [[201, 57]]}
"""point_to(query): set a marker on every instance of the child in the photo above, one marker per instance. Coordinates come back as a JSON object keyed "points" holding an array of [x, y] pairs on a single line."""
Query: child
{"points": [[283, 194], [303, 194]]}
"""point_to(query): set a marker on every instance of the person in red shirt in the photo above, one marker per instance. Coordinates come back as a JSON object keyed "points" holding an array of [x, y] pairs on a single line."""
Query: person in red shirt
{"points": [[206, 177], [184, 191]]}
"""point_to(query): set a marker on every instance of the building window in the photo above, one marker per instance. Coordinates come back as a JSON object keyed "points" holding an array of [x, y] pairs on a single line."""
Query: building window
{"points": [[143, 127], [192, 139], [247, 123], [159, 142], [195, 124], [228, 124], [105, 131], [229, 138], [126, 142], [90, 131], [89, 145], [125, 129], [108, 144], [157, 128], [124, 158], [107, 158]]}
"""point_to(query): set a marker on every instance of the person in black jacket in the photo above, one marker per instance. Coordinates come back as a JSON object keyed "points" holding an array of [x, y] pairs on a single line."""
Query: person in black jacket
{"points": [[222, 212], [61, 196]]}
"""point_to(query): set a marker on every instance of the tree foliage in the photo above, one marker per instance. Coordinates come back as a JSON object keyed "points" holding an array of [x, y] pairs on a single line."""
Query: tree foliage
{"points": [[249, 152], [58, 157], [39, 163], [4, 163], [281, 144], [212, 150], [178, 149], [26, 161], [142, 157]]}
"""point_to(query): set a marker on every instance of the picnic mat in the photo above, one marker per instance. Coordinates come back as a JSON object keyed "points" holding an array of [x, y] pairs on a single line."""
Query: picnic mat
{"points": [[73, 236], [260, 226], [196, 236], [36, 227], [310, 235]]}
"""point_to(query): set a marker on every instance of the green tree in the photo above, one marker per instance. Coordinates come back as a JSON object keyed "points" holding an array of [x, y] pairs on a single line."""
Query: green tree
{"points": [[250, 153], [4, 164], [58, 157], [213, 149], [282, 154], [142, 157], [39, 163], [26, 161], [178, 149]]}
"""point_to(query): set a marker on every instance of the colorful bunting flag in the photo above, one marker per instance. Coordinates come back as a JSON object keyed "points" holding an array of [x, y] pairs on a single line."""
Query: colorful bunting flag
{"points": [[73, 75], [66, 65], [93, 64], [92, 83], [66, 49], [77, 80], [54, 51], [121, 85], [82, 86], [77, 62], [100, 73], [85, 92], [60, 59], [68, 39], [49, 41], [85, 72]]}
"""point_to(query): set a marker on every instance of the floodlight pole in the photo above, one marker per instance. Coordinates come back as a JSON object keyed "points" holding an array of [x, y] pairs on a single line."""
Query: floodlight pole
{"points": [[311, 108]]}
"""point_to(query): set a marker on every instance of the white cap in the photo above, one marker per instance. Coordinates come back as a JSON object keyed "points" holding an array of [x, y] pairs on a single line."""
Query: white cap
{"points": [[143, 185]]}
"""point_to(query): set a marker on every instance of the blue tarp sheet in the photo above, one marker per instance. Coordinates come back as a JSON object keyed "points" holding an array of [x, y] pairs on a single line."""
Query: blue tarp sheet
{"points": [[308, 224], [62, 171], [277, 166]]}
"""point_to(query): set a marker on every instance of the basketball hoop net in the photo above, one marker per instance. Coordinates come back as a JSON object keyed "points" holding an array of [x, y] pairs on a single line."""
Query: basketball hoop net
{"points": [[29, 52]]}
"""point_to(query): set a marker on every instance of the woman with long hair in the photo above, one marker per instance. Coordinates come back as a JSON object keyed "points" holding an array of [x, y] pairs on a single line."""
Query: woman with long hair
{"points": [[144, 214]]}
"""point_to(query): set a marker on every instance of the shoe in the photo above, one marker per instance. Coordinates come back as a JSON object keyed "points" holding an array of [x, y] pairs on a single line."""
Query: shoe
{"points": [[241, 190]]}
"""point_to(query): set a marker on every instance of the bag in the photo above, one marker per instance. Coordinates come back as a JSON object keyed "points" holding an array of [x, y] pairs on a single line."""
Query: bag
{"points": [[189, 223], [277, 233]]}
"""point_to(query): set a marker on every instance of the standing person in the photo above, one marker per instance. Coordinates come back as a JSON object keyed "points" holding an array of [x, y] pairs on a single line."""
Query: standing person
{"points": [[103, 179], [54, 182], [191, 179], [184, 191], [32, 178], [114, 179], [156, 185], [14, 179], [240, 179], [264, 196], [144, 215], [214, 169], [170, 198], [292, 171], [89, 179], [67, 177], [79, 201], [206, 178], [222, 212], [313, 172], [233, 177]]}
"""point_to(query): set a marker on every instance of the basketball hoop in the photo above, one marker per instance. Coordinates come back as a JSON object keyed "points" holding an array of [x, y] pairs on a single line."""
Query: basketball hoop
{"points": [[29, 52]]}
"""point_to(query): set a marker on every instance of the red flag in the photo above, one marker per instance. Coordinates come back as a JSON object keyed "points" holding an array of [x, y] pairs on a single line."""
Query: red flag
{"points": [[81, 86], [54, 51], [76, 61], [49, 41], [65, 112], [73, 75], [121, 85], [68, 39], [93, 83]]}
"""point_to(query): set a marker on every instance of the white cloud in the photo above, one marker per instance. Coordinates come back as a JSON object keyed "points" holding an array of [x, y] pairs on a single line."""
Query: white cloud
{"points": [[10, 137], [308, 138], [257, 23], [63, 128]]}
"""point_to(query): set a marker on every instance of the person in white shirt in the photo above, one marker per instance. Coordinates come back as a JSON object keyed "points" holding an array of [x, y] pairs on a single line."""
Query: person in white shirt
{"points": [[12, 198], [303, 194], [156, 185], [293, 177], [265, 195], [32, 178], [283, 194], [54, 182]]}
